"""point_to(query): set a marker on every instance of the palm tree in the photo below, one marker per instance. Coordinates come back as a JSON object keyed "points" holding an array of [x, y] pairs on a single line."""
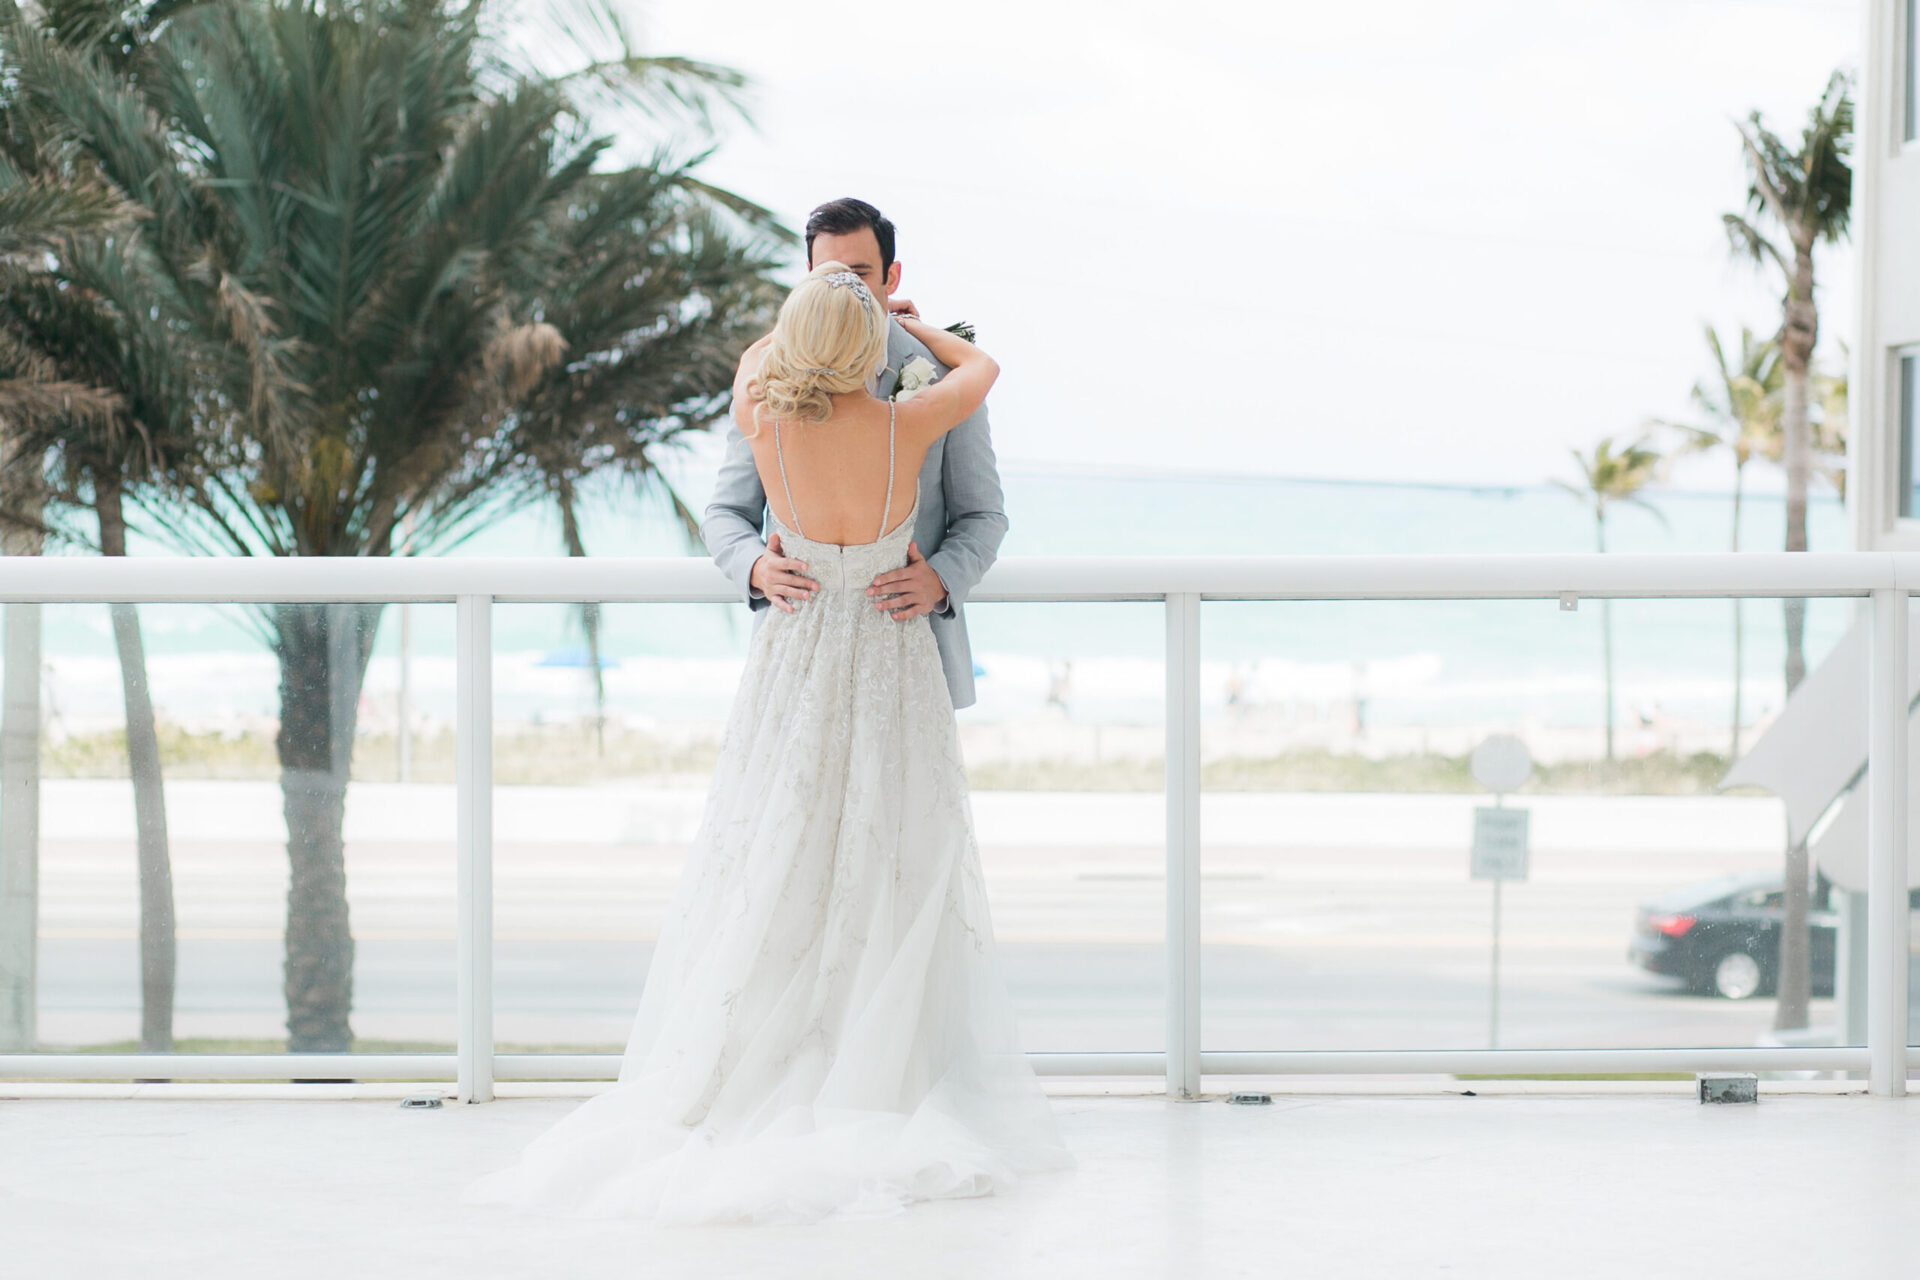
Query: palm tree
{"points": [[89, 465], [1806, 195], [364, 218], [1611, 475], [55, 208], [92, 309], [632, 387], [1741, 401], [45, 200]]}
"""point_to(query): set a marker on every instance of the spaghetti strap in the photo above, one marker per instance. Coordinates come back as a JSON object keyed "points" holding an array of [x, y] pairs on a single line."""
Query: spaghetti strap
{"points": [[782, 459], [886, 509]]}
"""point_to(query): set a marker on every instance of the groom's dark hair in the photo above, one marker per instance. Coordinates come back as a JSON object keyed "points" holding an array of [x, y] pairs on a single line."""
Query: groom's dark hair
{"points": [[847, 215]]}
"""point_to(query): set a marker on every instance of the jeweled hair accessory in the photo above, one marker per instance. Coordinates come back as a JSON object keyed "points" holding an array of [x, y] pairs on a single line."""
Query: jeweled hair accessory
{"points": [[848, 280]]}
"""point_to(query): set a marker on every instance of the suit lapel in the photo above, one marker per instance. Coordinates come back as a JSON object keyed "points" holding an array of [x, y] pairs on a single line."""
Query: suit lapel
{"points": [[899, 348]]}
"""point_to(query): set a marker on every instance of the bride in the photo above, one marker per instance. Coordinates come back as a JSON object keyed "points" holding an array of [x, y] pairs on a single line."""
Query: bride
{"points": [[824, 1030]]}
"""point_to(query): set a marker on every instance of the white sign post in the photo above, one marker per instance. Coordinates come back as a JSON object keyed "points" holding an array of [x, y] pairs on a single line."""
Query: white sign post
{"points": [[1500, 764]]}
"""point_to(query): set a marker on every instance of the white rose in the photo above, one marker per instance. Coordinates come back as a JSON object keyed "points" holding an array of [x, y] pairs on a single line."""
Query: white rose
{"points": [[917, 373], [906, 394]]}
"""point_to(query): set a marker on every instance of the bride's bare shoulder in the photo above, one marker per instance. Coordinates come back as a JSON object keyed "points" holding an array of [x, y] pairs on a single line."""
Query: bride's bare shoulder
{"points": [[745, 402], [752, 358]]}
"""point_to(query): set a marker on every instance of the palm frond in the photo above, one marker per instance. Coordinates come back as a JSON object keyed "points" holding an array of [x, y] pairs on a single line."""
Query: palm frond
{"points": [[592, 53], [758, 217], [34, 398], [35, 214], [1745, 238]]}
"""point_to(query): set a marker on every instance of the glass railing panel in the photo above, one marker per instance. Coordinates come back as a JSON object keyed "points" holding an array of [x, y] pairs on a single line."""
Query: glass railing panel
{"points": [[1065, 749], [603, 756], [601, 789], [299, 894], [1342, 909]]}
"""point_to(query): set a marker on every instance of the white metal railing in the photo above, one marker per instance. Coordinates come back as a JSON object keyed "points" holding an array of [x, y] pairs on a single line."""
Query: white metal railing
{"points": [[475, 585]]}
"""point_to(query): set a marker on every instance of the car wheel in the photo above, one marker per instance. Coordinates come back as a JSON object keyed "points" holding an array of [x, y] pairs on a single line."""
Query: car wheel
{"points": [[1736, 975]]}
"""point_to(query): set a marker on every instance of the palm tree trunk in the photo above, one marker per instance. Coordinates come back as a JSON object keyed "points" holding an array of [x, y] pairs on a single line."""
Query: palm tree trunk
{"points": [[323, 651], [589, 611], [20, 813], [158, 938], [1795, 994], [1798, 332]]}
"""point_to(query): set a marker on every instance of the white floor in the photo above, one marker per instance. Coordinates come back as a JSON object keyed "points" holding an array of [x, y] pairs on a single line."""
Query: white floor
{"points": [[1546, 1186]]}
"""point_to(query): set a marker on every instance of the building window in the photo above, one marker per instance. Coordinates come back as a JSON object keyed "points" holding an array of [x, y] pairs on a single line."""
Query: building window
{"points": [[1910, 47], [1906, 393]]}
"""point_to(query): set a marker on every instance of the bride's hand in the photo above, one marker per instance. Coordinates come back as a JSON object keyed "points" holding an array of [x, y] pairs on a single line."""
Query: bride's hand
{"points": [[949, 348]]}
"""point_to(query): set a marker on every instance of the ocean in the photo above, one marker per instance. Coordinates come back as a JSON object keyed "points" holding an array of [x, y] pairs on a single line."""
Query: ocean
{"points": [[1430, 663]]}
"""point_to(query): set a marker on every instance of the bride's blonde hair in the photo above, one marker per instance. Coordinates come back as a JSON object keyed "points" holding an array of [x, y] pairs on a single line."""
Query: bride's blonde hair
{"points": [[830, 337]]}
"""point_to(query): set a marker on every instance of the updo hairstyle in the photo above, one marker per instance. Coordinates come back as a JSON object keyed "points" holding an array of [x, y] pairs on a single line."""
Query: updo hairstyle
{"points": [[830, 337]]}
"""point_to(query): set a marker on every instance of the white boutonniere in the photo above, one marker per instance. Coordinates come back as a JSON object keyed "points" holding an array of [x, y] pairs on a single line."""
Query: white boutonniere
{"points": [[915, 376], [919, 373]]}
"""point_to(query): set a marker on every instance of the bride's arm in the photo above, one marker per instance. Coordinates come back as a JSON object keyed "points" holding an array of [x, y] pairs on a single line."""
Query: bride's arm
{"points": [[951, 400]]}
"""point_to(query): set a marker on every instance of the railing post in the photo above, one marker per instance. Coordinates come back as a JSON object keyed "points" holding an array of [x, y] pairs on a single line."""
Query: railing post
{"points": [[1183, 845], [1887, 846], [473, 794]]}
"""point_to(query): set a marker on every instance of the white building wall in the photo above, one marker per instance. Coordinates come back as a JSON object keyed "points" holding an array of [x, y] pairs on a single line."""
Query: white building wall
{"points": [[1887, 236]]}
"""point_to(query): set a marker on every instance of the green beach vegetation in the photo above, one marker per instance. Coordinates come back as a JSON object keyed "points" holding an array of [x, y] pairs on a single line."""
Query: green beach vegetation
{"points": [[582, 753]]}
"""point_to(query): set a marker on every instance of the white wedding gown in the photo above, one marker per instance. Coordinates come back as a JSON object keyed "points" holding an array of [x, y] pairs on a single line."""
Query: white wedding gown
{"points": [[824, 1029]]}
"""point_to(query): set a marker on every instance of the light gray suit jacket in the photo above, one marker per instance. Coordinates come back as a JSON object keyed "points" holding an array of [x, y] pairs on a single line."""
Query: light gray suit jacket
{"points": [[961, 522]]}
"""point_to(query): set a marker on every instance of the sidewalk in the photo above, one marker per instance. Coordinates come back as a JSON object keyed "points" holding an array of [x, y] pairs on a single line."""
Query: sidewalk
{"points": [[91, 809]]}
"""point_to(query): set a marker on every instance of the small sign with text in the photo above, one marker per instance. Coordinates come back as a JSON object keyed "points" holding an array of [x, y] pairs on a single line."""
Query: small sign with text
{"points": [[1499, 844]]}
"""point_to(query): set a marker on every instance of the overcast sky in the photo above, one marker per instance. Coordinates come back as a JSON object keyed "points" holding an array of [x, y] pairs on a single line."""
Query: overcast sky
{"points": [[1407, 239]]}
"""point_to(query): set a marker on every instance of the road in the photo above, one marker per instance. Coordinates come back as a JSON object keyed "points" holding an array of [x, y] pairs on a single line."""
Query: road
{"points": [[1306, 946]]}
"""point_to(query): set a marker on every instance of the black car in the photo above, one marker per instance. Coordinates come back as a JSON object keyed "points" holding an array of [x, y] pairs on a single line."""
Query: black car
{"points": [[1723, 936]]}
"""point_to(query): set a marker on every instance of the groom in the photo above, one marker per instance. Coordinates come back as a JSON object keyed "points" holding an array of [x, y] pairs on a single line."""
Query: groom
{"points": [[961, 520]]}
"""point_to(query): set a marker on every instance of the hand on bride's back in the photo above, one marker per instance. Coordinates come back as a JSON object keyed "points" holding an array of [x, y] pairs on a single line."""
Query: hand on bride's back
{"points": [[781, 578]]}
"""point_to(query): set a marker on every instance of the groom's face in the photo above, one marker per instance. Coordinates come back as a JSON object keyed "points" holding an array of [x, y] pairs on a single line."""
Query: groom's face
{"points": [[860, 250]]}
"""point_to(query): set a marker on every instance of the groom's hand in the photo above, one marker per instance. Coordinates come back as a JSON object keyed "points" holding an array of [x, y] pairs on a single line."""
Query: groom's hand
{"points": [[907, 593], [780, 578]]}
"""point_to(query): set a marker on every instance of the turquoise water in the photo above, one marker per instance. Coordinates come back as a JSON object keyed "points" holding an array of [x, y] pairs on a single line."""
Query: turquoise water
{"points": [[1467, 658], [1057, 513], [1417, 662]]}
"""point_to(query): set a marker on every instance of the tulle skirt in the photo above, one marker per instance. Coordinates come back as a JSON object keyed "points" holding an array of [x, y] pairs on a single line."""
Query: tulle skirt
{"points": [[824, 1030]]}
